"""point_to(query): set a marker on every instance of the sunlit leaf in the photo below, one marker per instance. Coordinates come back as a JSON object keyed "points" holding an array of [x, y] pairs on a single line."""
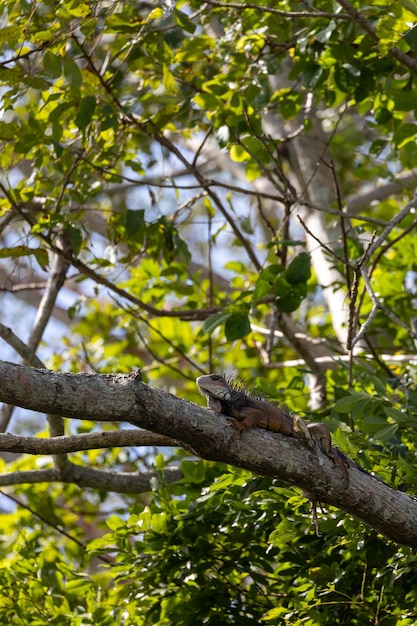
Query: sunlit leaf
{"points": [[214, 321]]}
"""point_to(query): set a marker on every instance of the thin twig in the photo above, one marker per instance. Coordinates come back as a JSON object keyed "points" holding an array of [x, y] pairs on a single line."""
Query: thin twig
{"points": [[365, 326], [268, 9], [353, 311], [321, 244], [201, 146], [170, 343], [164, 141], [22, 349], [382, 308], [211, 280]]}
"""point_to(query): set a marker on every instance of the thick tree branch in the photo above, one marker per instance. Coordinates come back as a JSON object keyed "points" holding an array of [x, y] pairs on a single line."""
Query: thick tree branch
{"points": [[89, 477], [121, 482], [84, 441], [125, 398]]}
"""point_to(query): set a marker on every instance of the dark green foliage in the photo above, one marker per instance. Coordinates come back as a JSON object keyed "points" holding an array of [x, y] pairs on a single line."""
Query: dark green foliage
{"points": [[234, 549]]}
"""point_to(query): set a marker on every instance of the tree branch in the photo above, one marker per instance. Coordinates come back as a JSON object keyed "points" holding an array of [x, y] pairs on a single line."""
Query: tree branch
{"points": [[54, 283], [88, 477], [84, 441], [125, 398], [384, 235], [314, 13], [206, 185]]}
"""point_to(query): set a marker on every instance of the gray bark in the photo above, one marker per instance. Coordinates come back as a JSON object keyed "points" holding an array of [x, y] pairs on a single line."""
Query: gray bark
{"points": [[126, 398]]}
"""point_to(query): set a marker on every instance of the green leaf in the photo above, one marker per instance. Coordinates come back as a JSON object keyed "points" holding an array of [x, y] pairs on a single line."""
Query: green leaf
{"points": [[11, 35], [373, 423], [344, 405], [159, 523], [347, 77], [262, 289], [42, 258], [160, 461], [168, 80], [79, 585], [383, 115], [85, 112], [252, 171], [76, 238], [78, 9], [271, 272], [386, 433], [273, 614], [134, 224], [289, 297], [299, 270], [114, 522], [184, 21], [52, 64], [395, 414], [282, 287], [405, 134], [237, 326], [377, 147], [218, 87], [72, 72], [266, 283], [239, 154], [214, 321], [313, 74], [290, 302], [8, 130], [256, 149], [40, 254], [16, 251], [194, 471]]}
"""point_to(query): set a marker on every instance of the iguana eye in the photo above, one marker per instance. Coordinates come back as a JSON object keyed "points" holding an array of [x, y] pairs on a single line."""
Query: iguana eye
{"points": [[215, 377]]}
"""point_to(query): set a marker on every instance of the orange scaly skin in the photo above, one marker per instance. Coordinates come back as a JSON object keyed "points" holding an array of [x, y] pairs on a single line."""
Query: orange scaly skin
{"points": [[246, 412]]}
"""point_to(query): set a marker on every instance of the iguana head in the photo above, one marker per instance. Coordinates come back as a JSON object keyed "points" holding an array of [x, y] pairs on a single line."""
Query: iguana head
{"points": [[216, 389]]}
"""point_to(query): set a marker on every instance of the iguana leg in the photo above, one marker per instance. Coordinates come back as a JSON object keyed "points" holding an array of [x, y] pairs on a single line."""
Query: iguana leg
{"points": [[321, 435], [314, 517], [337, 460], [303, 432], [251, 418]]}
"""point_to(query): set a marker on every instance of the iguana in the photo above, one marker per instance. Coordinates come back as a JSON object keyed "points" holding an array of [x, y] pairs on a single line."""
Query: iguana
{"points": [[246, 412]]}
